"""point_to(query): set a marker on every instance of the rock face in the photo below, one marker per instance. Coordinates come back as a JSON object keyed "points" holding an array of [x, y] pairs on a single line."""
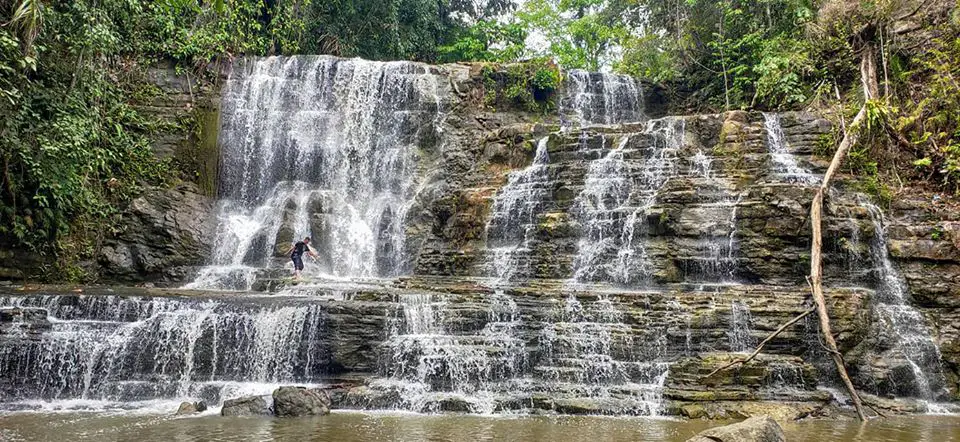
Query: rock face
{"points": [[190, 108], [755, 429], [246, 406], [164, 234], [300, 401]]}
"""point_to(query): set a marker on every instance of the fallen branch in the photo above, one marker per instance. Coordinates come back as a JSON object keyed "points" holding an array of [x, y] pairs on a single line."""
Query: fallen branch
{"points": [[743, 361], [875, 410]]}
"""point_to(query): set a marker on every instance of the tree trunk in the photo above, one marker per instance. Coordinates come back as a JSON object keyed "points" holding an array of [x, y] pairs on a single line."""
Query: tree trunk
{"points": [[868, 71]]}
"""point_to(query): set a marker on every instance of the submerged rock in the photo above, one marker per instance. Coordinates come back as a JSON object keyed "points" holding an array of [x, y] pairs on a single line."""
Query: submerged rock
{"points": [[755, 429], [300, 401], [246, 406], [452, 404], [191, 408]]}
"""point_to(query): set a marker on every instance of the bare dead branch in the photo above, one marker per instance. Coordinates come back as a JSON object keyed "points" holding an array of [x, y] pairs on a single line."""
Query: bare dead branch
{"points": [[743, 361]]}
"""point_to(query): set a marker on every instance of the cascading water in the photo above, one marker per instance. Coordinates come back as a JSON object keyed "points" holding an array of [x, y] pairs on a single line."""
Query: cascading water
{"points": [[107, 351], [431, 367], [325, 147], [618, 191], [784, 163], [716, 260], [584, 353], [600, 98], [741, 339], [901, 329], [513, 222], [587, 351]]}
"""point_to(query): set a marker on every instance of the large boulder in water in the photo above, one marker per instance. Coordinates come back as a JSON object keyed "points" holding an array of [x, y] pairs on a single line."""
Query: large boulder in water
{"points": [[755, 429], [300, 401], [246, 406]]}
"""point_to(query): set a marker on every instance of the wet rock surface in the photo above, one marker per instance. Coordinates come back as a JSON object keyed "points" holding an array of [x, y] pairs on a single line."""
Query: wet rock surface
{"points": [[187, 408], [300, 401], [165, 234], [246, 406], [755, 429]]}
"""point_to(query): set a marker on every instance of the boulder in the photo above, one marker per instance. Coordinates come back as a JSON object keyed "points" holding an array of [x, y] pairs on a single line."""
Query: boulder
{"points": [[163, 234], [451, 404], [246, 406], [755, 429], [188, 408], [300, 401]]}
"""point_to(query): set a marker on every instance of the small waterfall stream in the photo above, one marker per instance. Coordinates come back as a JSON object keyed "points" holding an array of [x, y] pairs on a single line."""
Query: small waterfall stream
{"points": [[600, 98], [741, 326], [433, 368], [513, 221], [587, 351], [901, 329], [618, 191], [784, 163]]}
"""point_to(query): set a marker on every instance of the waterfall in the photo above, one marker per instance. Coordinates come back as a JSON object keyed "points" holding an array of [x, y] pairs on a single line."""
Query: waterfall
{"points": [[718, 261], [430, 366], [584, 353], [600, 98], [512, 225], [324, 147], [587, 349], [715, 259], [741, 339], [784, 163], [618, 191], [109, 350], [901, 329]]}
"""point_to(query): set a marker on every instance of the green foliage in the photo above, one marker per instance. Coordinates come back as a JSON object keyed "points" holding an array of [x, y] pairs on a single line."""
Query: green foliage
{"points": [[529, 85], [783, 71], [487, 40], [937, 233], [825, 145], [580, 34], [730, 53], [874, 186], [73, 148], [425, 30], [28, 18], [933, 123], [644, 57]]}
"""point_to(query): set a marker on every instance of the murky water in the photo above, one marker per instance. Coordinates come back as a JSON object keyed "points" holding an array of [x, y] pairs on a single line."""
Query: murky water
{"points": [[348, 426]]}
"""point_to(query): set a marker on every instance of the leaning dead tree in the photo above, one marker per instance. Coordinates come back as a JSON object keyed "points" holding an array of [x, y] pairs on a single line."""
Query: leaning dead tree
{"points": [[850, 136], [868, 75]]}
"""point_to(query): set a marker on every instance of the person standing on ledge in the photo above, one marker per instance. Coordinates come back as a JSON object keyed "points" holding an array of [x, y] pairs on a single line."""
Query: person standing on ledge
{"points": [[296, 254]]}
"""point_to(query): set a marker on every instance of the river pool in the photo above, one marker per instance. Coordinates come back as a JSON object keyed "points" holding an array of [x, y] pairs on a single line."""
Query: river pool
{"points": [[355, 426]]}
